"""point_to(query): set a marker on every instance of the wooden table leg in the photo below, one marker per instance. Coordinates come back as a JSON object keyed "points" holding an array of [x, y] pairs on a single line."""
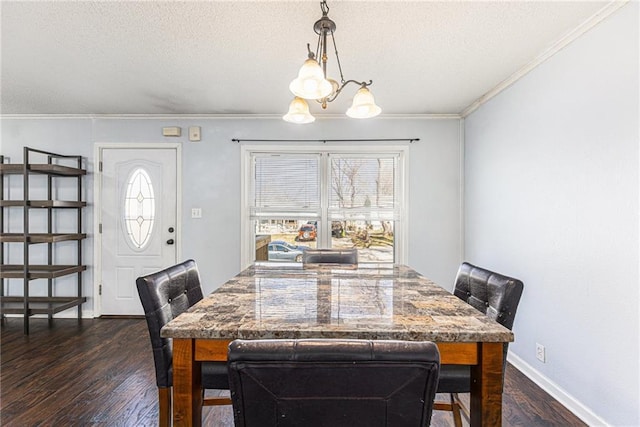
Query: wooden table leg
{"points": [[187, 385], [486, 386]]}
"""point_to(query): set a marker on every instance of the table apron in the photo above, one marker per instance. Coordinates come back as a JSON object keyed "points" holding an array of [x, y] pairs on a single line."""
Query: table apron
{"points": [[451, 353]]}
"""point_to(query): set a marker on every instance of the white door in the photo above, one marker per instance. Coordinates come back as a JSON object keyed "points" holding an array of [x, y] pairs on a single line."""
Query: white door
{"points": [[138, 218]]}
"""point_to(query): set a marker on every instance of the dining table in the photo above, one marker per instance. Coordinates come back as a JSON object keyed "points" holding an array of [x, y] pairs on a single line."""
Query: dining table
{"points": [[363, 301]]}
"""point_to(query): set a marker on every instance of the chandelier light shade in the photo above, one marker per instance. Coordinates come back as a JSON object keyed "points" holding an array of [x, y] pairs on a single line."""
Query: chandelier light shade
{"points": [[298, 112], [363, 107], [312, 82]]}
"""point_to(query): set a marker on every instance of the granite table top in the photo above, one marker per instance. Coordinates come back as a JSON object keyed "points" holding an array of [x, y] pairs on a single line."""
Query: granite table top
{"points": [[372, 301]]}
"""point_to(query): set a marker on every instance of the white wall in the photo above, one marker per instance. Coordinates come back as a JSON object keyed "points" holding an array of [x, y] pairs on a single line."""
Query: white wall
{"points": [[211, 180], [64, 136], [551, 197]]}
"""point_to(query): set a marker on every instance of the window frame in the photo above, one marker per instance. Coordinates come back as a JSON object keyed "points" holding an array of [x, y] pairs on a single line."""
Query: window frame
{"points": [[401, 226]]}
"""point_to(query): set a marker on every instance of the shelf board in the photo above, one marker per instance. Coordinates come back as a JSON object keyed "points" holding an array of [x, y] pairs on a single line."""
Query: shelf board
{"points": [[55, 170], [39, 305], [43, 203], [40, 237], [10, 271]]}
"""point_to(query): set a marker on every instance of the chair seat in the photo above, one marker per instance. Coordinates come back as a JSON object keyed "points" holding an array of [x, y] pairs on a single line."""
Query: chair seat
{"points": [[454, 379]]}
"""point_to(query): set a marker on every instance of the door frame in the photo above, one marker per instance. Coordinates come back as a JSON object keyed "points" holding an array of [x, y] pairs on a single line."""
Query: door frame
{"points": [[97, 211]]}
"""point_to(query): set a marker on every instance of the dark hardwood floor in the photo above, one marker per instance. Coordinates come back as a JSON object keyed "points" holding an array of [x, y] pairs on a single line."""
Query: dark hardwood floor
{"points": [[99, 372]]}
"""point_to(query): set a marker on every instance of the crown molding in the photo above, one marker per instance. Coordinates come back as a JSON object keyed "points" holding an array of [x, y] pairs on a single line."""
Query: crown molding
{"points": [[454, 116], [568, 38]]}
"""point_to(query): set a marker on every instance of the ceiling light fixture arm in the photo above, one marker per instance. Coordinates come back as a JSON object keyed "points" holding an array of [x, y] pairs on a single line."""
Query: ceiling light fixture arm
{"points": [[333, 96]]}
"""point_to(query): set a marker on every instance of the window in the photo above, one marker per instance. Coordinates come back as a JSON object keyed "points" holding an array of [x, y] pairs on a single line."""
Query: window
{"points": [[330, 198], [139, 208], [363, 202]]}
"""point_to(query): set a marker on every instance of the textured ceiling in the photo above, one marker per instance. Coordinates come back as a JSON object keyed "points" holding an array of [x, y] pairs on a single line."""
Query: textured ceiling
{"points": [[238, 57]]}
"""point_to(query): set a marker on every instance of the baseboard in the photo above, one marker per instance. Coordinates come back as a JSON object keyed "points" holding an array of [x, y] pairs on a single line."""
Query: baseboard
{"points": [[557, 392], [67, 314], [122, 316]]}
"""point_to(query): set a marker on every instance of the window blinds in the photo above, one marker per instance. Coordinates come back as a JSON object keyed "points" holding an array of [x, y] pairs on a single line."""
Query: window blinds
{"points": [[360, 186], [286, 186]]}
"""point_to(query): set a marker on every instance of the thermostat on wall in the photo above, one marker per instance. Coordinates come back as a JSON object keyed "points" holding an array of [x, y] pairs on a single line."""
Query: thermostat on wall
{"points": [[172, 131], [194, 133]]}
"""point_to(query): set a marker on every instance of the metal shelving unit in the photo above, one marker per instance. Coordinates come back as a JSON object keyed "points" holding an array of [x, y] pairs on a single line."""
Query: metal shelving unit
{"points": [[49, 166]]}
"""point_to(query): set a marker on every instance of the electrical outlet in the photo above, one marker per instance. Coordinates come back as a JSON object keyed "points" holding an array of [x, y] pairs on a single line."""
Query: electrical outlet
{"points": [[196, 212], [540, 353]]}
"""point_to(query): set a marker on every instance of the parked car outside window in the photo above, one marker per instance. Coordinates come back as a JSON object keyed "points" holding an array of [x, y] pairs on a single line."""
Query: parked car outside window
{"points": [[278, 252], [306, 233], [289, 245]]}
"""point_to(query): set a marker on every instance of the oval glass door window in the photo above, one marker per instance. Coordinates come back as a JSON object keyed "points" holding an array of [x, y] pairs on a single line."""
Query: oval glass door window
{"points": [[139, 208]]}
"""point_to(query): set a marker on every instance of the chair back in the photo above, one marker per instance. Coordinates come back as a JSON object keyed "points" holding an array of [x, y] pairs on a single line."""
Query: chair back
{"points": [[492, 293], [326, 382], [164, 295], [330, 256]]}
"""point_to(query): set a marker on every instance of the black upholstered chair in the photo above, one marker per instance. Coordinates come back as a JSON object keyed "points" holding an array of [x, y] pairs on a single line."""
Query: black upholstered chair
{"points": [[330, 256], [493, 294], [164, 295], [337, 383]]}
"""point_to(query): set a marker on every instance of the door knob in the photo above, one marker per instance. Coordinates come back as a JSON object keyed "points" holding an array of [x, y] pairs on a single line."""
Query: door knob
{"points": [[170, 242]]}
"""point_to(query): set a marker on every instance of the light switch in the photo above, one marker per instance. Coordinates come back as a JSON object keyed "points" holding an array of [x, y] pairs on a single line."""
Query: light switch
{"points": [[194, 133], [196, 212]]}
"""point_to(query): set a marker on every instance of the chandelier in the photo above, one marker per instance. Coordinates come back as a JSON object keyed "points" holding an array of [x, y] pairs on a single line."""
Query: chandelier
{"points": [[312, 82]]}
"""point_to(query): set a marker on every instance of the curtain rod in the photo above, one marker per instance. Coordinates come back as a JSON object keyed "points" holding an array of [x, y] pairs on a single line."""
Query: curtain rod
{"points": [[324, 141]]}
